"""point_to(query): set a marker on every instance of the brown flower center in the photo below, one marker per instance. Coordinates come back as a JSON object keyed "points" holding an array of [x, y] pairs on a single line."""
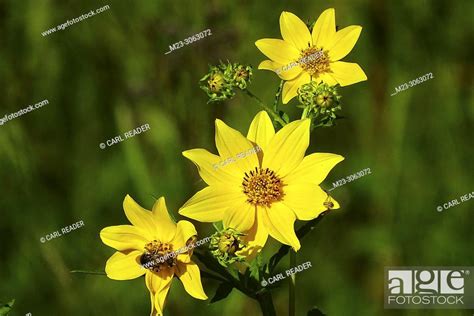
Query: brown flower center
{"points": [[262, 187], [158, 256], [315, 61]]}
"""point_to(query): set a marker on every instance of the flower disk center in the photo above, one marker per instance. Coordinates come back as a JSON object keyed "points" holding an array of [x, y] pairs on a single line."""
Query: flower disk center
{"points": [[262, 187], [158, 256], [315, 61]]}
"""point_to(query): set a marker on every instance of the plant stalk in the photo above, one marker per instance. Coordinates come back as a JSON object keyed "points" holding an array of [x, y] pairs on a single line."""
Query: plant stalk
{"points": [[266, 108], [292, 287], [266, 304]]}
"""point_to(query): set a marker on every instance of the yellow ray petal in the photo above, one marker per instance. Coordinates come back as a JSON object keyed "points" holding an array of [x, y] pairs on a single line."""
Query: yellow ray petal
{"points": [[240, 216], [278, 50], [347, 73], [279, 220], [139, 216], [324, 29], [232, 144], [294, 31], [314, 168], [190, 276], [285, 72], [327, 78], [209, 204], [209, 167], [256, 237], [261, 130], [287, 148], [343, 42], [124, 265], [166, 228], [290, 88], [158, 283], [124, 237], [184, 231], [305, 199]]}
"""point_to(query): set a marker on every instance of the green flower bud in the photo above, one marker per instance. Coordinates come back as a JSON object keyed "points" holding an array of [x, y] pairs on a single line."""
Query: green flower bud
{"points": [[225, 246], [216, 86], [321, 101]]}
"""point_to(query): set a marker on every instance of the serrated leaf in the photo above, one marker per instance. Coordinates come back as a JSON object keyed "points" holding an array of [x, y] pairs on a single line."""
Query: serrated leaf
{"points": [[222, 292], [315, 312], [5, 308]]}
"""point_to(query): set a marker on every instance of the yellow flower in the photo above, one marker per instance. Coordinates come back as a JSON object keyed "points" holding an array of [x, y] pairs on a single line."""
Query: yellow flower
{"points": [[264, 192], [143, 246], [302, 56]]}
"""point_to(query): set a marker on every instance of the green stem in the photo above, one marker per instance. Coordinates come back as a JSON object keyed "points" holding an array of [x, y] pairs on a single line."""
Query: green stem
{"points": [[266, 304], [277, 96], [292, 286], [305, 113], [266, 108], [88, 272]]}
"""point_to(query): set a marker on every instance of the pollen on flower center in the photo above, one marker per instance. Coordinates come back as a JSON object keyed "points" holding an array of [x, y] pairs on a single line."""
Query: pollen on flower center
{"points": [[158, 256], [315, 61], [262, 187]]}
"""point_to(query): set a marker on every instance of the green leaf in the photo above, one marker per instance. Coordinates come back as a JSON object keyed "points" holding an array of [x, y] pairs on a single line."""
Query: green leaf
{"points": [[315, 312], [218, 226], [6, 307], [284, 117], [255, 266], [222, 292]]}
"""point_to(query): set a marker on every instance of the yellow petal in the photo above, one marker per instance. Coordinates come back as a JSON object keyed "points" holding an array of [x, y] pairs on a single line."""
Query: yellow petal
{"points": [[324, 29], [285, 72], [158, 283], [209, 204], [240, 216], [326, 78], [124, 265], [343, 42], [166, 228], [232, 144], [190, 275], [290, 88], [209, 167], [347, 73], [287, 148], [124, 237], [278, 50], [314, 168], [305, 199], [184, 231], [294, 31], [256, 237], [261, 130], [279, 221], [139, 216]]}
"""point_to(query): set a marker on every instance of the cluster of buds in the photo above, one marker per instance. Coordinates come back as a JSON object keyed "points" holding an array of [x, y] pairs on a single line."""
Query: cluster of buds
{"points": [[225, 246], [321, 101], [220, 82]]}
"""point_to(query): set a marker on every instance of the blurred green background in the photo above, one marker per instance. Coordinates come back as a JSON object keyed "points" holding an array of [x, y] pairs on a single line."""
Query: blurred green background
{"points": [[108, 74]]}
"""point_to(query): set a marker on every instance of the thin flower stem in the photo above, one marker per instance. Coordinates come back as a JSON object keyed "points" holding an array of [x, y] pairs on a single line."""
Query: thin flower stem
{"points": [[277, 96], [292, 286], [305, 113], [266, 108], [265, 301], [88, 272]]}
